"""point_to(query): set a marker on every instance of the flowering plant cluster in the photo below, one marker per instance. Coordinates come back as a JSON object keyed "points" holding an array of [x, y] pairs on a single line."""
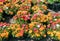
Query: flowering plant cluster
{"points": [[4, 30], [33, 30], [37, 30], [54, 27], [22, 17], [40, 17], [17, 30], [29, 18]]}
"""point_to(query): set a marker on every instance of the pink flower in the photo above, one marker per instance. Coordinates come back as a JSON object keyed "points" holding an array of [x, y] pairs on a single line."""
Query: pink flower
{"points": [[51, 21], [22, 0], [35, 16], [35, 29], [48, 26], [2, 0], [1, 25], [23, 25], [38, 1]]}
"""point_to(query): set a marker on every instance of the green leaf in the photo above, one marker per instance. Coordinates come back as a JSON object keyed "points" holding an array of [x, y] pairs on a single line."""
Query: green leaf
{"points": [[58, 0], [50, 1]]}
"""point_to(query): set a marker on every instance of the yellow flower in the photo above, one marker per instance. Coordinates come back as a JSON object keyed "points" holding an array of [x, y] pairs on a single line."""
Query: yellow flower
{"points": [[32, 36], [44, 26], [17, 5], [49, 32], [44, 7], [41, 20], [30, 31], [35, 7], [38, 35], [45, 0], [19, 12], [52, 34], [50, 18], [38, 18], [58, 37], [41, 33], [44, 35], [57, 33]]}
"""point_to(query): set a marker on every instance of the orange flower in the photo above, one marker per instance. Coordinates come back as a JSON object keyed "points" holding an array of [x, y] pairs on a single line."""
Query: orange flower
{"points": [[42, 28], [6, 35], [1, 10], [17, 29], [18, 35], [44, 7], [36, 31], [5, 31], [14, 17], [10, 12], [8, 5], [1, 3], [30, 31], [3, 35], [19, 12], [31, 25]]}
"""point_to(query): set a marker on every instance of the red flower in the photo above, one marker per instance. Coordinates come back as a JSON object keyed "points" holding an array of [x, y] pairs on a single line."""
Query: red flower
{"points": [[26, 17]]}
